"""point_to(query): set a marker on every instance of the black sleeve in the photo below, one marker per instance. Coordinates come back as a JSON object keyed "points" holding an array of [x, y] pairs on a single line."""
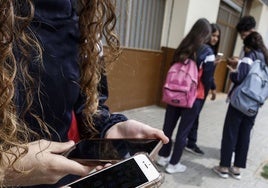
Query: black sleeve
{"points": [[243, 68], [207, 58], [213, 85], [104, 119]]}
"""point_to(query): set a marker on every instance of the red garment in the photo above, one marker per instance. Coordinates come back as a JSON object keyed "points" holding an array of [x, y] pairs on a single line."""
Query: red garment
{"points": [[73, 133], [200, 86]]}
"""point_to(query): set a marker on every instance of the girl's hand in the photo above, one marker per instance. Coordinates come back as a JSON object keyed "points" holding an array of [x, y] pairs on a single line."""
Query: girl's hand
{"points": [[217, 60], [213, 95], [44, 164], [232, 62], [231, 68], [135, 129]]}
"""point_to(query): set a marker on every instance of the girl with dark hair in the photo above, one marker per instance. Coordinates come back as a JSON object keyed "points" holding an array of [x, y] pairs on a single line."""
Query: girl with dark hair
{"points": [[244, 27], [215, 38], [53, 88], [237, 125], [192, 137], [214, 44], [192, 46]]}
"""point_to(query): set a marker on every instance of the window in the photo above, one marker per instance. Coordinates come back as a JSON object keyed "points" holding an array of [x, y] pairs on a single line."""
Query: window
{"points": [[140, 23]]}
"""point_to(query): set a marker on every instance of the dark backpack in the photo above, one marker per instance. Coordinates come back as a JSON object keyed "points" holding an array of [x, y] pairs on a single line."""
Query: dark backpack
{"points": [[251, 94], [180, 88]]}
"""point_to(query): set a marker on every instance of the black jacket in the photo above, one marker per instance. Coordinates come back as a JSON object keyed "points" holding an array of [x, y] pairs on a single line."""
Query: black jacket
{"points": [[55, 25]]}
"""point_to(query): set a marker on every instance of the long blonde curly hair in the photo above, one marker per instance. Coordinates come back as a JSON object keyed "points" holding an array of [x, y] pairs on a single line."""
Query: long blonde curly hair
{"points": [[97, 20]]}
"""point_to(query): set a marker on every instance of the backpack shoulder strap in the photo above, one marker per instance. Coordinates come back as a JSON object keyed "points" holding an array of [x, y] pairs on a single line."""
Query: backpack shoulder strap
{"points": [[258, 60]]}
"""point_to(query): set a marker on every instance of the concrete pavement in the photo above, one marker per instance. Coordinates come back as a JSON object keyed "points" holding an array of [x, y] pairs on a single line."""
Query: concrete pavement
{"points": [[199, 173]]}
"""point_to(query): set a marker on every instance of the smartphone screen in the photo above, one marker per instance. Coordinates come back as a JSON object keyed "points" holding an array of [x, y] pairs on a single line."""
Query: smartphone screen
{"points": [[132, 172], [111, 150]]}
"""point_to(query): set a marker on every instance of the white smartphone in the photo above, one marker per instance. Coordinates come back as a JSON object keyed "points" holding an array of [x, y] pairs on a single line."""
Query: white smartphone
{"points": [[219, 55], [136, 171]]}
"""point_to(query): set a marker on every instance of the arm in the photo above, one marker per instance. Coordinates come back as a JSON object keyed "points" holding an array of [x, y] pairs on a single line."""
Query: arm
{"points": [[213, 94], [207, 77], [118, 126], [135, 129], [43, 164], [213, 87], [213, 84], [207, 57], [213, 90], [104, 119], [113, 125], [238, 76]]}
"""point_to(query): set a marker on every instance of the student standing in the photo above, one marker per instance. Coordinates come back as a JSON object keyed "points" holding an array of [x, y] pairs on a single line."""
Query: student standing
{"points": [[192, 137], [237, 125], [244, 27], [192, 46]]}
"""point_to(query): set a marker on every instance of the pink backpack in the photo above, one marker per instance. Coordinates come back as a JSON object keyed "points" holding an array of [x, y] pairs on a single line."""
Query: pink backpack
{"points": [[180, 88]]}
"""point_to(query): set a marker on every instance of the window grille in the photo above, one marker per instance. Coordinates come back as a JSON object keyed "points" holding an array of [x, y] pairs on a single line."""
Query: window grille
{"points": [[140, 23]]}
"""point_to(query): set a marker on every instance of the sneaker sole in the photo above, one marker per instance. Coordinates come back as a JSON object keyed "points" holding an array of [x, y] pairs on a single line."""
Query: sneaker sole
{"points": [[173, 172], [225, 176], [161, 164], [235, 176]]}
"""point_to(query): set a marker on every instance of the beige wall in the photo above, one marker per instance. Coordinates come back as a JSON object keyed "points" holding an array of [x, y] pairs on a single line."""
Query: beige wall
{"points": [[201, 9], [262, 23], [180, 15], [174, 22]]}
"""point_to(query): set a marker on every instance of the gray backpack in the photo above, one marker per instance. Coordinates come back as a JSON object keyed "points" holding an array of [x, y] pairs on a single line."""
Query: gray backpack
{"points": [[253, 91]]}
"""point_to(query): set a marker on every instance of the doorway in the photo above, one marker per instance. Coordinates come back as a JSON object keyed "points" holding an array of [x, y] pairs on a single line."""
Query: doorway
{"points": [[227, 19]]}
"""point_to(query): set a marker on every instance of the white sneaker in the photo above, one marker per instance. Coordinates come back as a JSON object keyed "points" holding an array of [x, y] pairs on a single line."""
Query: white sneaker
{"points": [[163, 161], [175, 168]]}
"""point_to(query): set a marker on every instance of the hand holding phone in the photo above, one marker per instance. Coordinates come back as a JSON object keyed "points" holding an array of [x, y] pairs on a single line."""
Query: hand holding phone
{"points": [[233, 61], [136, 171], [231, 68], [219, 58]]}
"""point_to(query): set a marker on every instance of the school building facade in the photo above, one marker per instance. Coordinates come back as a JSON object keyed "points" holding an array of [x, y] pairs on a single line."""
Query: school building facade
{"points": [[151, 30]]}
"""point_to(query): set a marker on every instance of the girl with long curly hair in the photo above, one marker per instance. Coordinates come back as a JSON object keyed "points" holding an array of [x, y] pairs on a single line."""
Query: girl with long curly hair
{"points": [[53, 88]]}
